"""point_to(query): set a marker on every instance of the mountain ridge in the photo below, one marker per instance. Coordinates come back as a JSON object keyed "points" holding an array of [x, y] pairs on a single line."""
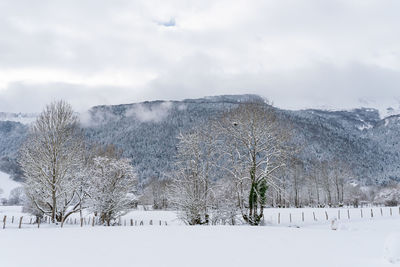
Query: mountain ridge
{"points": [[147, 133]]}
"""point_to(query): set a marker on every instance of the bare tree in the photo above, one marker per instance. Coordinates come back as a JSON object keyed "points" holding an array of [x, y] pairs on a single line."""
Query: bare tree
{"points": [[326, 181], [113, 187], [225, 206], [155, 193], [296, 168], [254, 143], [281, 191], [315, 180], [50, 158], [342, 173], [191, 189]]}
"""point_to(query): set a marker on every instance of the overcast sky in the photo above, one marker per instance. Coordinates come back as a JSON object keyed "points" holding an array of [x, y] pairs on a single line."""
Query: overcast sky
{"points": [[300, 53]]}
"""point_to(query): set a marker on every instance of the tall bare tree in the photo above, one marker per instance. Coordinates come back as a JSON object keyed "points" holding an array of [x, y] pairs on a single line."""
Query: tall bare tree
{"points": [[191, 190], [50, 158], [254, 143], [341, 173]]}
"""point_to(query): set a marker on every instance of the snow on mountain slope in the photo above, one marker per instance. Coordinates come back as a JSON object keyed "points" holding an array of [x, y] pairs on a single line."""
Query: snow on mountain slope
{"points": [[147, 134], [6, 185]]}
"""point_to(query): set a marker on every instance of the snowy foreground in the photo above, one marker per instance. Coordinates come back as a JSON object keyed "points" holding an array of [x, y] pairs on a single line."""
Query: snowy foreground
{"points": [[358, 244], [368, 242]]}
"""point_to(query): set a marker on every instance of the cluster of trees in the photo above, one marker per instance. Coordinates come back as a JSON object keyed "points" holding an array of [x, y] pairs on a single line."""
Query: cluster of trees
{"points": [[316, 184], [65, 175], [245, 161], [227, 165]]}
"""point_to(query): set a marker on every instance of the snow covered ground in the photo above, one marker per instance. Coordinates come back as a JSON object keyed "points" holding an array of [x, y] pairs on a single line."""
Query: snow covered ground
{"points": [[6, 184], [367, 242], [354, 244]]}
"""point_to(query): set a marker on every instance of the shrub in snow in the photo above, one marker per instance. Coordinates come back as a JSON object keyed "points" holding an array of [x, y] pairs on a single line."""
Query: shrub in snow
{"points": [[391, 203], [391, 250], [388, 196]]}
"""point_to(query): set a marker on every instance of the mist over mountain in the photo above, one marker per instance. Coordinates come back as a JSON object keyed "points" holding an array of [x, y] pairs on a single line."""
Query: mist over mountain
{"points": [[147, 133]]}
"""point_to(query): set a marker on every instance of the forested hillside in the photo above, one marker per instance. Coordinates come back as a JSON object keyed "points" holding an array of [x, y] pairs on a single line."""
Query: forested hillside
{"points": [[147, 134]]}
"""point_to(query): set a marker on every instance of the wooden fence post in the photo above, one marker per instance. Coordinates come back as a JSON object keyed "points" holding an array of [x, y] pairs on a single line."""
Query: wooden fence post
{"points": [[348, 214], [38, 220], [326, 215], [313, 213], [290, 216], [361, 213], [279, 218], [151, 222], [12, 219], [4, 221], [372, 213], [30, 221], [390, 211], [141, 222], [160, 222], [131, 222], [124, 222], [302, 216], [20, 222], [93, 220], [338, 213], [381, 212], [81, 222]]}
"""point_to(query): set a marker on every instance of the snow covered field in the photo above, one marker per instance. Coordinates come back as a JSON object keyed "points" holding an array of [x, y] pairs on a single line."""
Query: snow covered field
{"points": [[356, 243]]}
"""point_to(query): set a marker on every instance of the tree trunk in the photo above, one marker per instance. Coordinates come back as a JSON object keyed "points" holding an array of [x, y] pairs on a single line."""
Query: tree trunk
{"points": [[54, 200]]}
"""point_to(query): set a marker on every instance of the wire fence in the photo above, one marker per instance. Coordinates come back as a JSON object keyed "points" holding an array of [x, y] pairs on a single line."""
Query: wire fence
{"points": [[321, 215], [278, 217], [36, 222]]}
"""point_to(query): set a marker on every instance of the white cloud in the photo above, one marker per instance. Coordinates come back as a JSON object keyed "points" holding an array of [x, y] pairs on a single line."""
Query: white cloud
{"points": [[297, 53], [150, 113]]}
